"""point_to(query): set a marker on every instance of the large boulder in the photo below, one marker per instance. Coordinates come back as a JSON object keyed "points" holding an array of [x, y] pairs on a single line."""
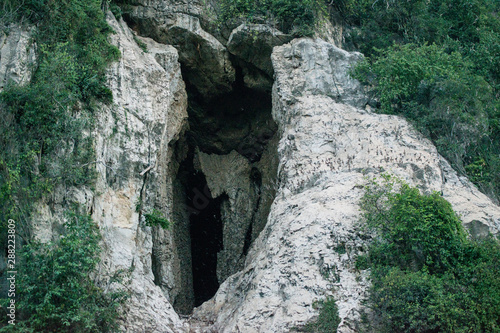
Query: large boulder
{"points": [[254, 43]]}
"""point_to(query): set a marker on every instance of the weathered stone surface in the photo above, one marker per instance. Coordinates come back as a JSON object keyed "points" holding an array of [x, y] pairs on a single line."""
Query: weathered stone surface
{"points": [[136, 132], [254, 44], [254, 78], [325, 147], [17, 56], [319, 68], [230, 174], [330, 29], [177, 23], [308, 247], [133, 134]]}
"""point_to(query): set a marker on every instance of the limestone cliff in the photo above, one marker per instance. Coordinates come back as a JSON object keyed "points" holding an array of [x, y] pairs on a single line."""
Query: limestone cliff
{"points": [[255, 146], [328, 145]]}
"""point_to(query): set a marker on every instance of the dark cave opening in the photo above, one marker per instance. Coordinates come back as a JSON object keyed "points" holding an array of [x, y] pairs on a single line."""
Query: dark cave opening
{"points": [[210, 237], [206, 242], [205, 230], [238, 121]]}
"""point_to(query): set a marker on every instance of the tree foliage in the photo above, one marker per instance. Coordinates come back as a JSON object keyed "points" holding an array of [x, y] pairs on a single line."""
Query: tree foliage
{"points": [[44, 135], [427, 275], [46, 143], [297, 17], [55, 291], [438, 64]]}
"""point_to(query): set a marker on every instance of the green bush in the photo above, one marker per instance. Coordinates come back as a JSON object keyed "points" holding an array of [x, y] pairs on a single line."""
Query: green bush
{"points": [[441, 94], [328, 319], [297, 17], [55, 292], [378, 24], [427, 276], [45, 143], [156, 218], [416, 231], [438, 64]]}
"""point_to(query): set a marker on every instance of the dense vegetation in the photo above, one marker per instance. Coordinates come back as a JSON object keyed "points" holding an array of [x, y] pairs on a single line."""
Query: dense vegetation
{"points": [[45, 143], [298, 17], [438, 64], [435, 62], [427, 276], [55, 290], [43, 137]]}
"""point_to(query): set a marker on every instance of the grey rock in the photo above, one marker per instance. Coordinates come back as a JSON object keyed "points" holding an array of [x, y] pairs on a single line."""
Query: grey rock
{"points": [[318, 68], [17, 56], [230, 174], [137, 131], [326, 146], [177, 23], [133, 134], [295, 261], [254, 44], [477, 229]]}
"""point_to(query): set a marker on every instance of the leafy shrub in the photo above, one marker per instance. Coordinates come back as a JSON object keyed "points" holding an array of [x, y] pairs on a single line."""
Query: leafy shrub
{"points": [[45, 142], [416, 231], [156, 218], [378, 24], [291, 16], [438, 64], [328, 319], [441, 94], [55, 293], [426, 275]]}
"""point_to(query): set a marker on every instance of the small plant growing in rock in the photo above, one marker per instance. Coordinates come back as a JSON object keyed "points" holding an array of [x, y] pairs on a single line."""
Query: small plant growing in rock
{"points": [[141, 44], [156, 218], [328, 319]]}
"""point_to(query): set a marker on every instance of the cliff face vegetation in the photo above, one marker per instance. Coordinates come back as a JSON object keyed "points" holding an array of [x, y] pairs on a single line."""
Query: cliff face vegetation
{"points": [[226, 166], [437, 64]]}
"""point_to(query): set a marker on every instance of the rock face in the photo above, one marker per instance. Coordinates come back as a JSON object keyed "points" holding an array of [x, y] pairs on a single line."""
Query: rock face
{"points": [[285, 200], [177, 23], [136, 133], [210, 63], [328, 146], [17, 56], [253, 43]]}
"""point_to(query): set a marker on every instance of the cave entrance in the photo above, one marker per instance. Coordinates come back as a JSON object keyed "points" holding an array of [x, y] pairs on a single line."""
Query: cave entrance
{"points": [[224, 188], [206, 235], [206, 242]]}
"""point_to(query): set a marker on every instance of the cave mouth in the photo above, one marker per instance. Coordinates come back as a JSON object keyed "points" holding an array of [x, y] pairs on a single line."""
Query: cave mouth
{"points": [[239, 120], [216, 226], [206, 242], [205, 232]]}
